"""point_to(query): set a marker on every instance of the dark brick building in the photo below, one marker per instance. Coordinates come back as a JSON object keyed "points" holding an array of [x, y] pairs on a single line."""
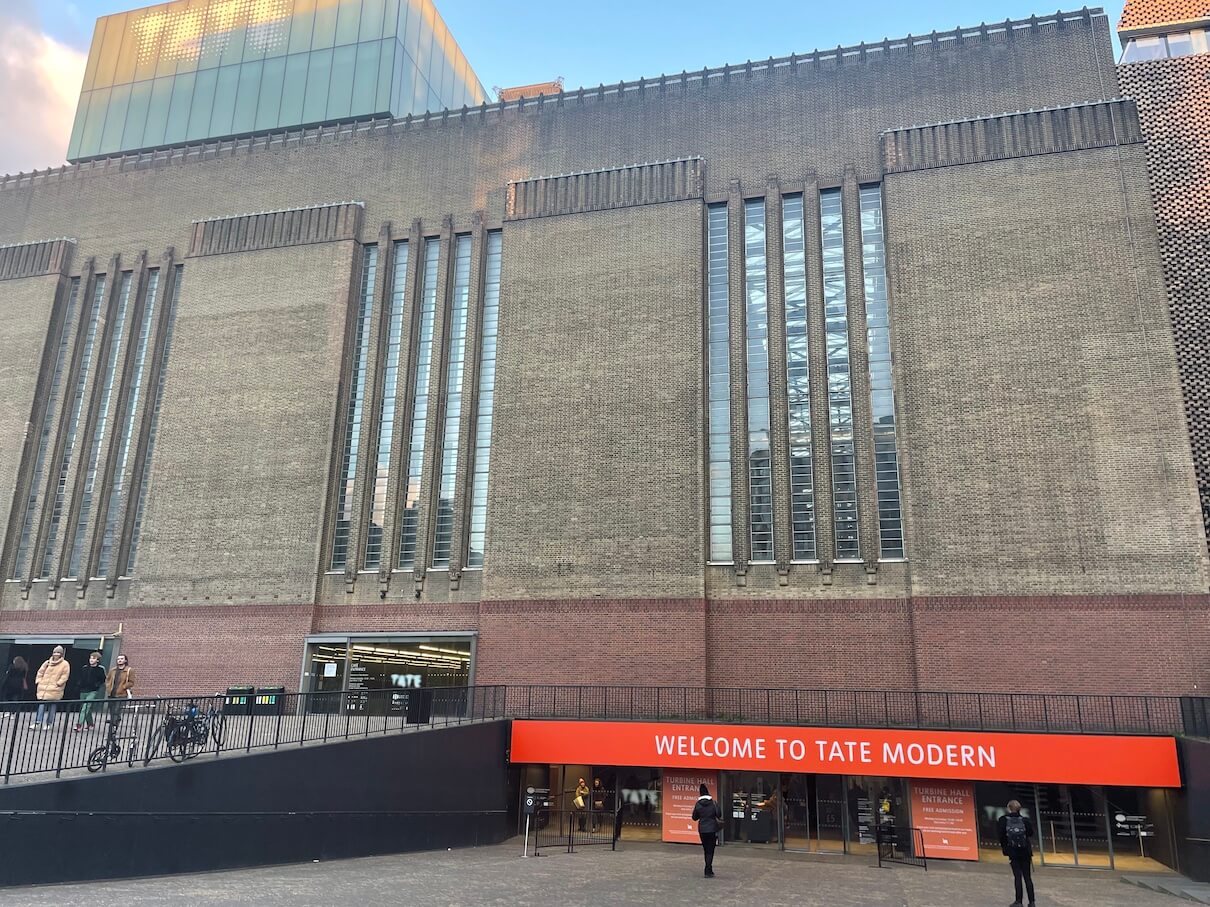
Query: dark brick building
{"points": [[850, 369]]}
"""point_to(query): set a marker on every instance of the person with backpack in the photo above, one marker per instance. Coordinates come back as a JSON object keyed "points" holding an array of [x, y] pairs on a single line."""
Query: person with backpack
{"points": [[708, 817], [1016, 833]]}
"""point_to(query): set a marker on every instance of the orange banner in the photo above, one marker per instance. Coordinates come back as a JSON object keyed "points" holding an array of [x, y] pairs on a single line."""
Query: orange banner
{"points": [[678, 796], [952, 755], [944, 811]]}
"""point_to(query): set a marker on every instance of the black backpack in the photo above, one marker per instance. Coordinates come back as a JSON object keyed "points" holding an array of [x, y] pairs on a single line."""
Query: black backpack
{"points": [[1015, 834]]}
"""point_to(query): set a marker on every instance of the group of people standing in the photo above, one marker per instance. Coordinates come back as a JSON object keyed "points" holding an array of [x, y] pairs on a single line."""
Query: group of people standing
{"points": [[50, 684]]}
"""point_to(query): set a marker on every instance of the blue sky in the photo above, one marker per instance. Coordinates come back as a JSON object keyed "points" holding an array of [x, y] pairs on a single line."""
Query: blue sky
{"points": [[44, 43], [513, 43]]}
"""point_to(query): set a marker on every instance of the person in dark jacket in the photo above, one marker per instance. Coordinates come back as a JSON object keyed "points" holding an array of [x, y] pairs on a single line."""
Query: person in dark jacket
{"points": [[92, 688], [709, 818], [1016, 834], [15, 684]]}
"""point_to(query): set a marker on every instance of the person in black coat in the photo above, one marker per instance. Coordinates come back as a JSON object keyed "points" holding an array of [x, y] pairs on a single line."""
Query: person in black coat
{"points": [[1016, 834], [709, 818], [15, 684], [92, 683]]}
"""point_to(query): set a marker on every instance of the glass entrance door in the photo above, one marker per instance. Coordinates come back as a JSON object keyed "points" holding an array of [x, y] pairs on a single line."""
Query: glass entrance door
{"points": [[813, 813], [751, 807]]}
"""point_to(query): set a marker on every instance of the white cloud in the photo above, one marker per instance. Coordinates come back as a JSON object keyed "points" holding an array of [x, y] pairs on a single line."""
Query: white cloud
{"points": [[40, 82]]}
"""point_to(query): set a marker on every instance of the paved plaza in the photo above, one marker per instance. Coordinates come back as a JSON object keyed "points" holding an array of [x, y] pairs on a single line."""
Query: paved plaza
{"points": [[637, 874]]}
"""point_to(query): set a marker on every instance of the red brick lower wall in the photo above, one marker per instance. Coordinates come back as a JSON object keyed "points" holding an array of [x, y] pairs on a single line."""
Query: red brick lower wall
{"points": [[1123, 644]]}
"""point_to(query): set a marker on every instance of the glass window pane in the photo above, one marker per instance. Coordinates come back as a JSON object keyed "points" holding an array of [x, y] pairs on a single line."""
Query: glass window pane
{"points": [[224, 100], [365, 79], [340, 86], [108, 58], [1198, 38], [372, 12], [157, 113], [115, 119], [319, 70], [348, 22], [269, 102], [94, 54], [302, 24], [1180, 45], [128, 55], [293, 89], [178, 108], [136, 115], [386, 75], [247, 94], [324, 34], [77, 127], [203, 103]]}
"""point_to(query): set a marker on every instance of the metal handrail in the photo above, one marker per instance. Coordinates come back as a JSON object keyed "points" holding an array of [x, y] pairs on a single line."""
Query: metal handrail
{"points": [[270, 719]]}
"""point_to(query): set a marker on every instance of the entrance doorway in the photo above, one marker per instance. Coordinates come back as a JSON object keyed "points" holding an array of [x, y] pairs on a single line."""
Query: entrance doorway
{"points": [[814, 813], [37, 649]]}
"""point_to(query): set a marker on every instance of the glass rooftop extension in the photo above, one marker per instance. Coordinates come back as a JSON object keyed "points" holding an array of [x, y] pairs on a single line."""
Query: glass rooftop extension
{"points": [[198, 69]]}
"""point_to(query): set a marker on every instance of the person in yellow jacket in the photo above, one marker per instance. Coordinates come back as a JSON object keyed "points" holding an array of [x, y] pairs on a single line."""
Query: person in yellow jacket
{"points": [[51, 680]]}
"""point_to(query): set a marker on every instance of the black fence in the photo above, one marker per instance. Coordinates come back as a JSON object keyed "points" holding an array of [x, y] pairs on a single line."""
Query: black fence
{"points": [[130, 732], [900, 844], [566, 829], [1069, 713], [140, 731]]}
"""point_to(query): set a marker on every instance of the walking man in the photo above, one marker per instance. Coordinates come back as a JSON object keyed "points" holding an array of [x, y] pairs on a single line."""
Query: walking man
{"points": [[708, 817], [1016, 833], [119, 686], [51, 680]]}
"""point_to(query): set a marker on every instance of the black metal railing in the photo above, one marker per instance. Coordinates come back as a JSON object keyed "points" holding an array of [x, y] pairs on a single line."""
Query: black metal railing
{"points": [[140, 731], [137, 732], [900, 844], [1068, 713], [567, 829]]}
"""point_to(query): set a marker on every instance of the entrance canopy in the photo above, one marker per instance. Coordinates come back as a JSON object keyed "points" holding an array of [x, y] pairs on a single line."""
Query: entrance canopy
{"points": [[1120, 760]]}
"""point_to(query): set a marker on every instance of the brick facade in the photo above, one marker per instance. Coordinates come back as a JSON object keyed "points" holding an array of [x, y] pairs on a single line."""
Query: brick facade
{"points": [[1049, 498]]}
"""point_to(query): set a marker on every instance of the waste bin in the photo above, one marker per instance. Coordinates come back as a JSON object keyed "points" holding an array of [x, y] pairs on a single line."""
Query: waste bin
{"points": [[238, 701], [269, 701], [419, 708]]}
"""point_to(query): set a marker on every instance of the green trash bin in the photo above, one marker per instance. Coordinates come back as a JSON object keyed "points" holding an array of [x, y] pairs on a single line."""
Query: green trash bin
{"points": [[269, 701], [238, 701]]}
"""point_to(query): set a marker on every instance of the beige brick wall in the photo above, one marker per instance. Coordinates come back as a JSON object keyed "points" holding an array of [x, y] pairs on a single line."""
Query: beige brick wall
{"points": [[1044, 448], [236, 502], [596, 469]]}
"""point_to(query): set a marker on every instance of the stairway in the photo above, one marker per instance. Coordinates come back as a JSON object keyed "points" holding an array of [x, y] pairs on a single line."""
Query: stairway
{"points": [[1178, 886]]}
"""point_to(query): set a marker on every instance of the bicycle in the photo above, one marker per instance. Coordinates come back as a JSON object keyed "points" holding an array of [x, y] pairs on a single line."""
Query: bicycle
{"points": [[187, 732], [111, 749]]}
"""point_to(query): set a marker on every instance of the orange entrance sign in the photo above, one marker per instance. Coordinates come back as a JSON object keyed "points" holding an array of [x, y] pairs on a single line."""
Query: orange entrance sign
{"points": [[944, 811], [947, 755], [678, 796]]}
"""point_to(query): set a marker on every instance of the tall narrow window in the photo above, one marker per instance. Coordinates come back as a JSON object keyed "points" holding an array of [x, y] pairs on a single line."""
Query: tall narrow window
{"points": [[409, 525], [162, 369], [840, 390], [113, 508], [477, 534], [756, 323], [73, 427], [353, 412], [100, 425], [386, 409], [719, 383], [798, 380], [48, 424], [882, 395], [447, 483]]}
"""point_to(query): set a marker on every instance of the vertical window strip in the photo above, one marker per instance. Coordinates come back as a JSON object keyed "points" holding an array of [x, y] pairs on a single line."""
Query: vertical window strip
{"points": [[386, 410], [73, 428], [882, 395], [840, 391], [719, 383], [111, 373], [756, 323], [353, 413], [452, 428], [145, 479], [114, 505], [409, 525], [477, 533], [48, 424], [798, 380]]}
